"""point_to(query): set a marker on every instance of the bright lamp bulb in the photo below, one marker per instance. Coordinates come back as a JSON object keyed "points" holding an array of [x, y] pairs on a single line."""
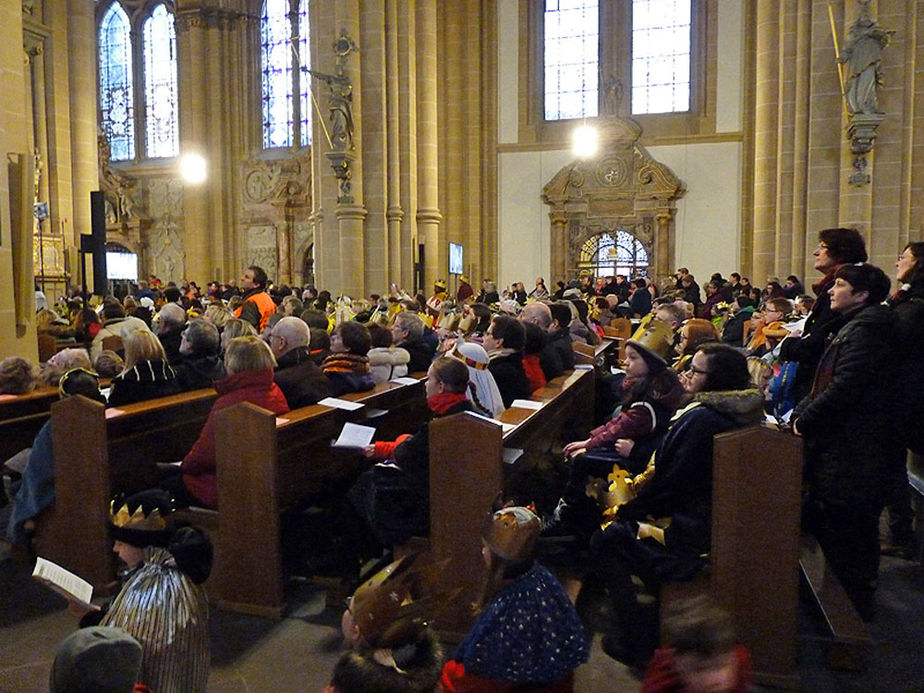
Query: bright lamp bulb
{"points": [[584, 142], [192, 168]]}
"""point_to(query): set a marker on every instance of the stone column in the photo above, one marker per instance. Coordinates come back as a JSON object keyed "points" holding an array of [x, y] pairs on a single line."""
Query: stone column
{"points": [[394, 213], [664, 252], [429, 218], [559, 249]]}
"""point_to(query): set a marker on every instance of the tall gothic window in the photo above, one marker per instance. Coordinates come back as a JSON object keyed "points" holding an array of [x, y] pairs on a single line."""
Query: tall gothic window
{"points": [[285, 54], [160, 107], [116, 84], [126, 116], [616, 57]]}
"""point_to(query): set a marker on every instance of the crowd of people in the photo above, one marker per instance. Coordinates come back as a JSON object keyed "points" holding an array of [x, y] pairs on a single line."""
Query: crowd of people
{"points": [[637, 501]]}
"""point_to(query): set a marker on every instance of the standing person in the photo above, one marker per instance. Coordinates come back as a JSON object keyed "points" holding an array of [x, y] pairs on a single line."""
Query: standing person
{"points": [[160, 602], [836, 247], [257, 306], [528, 635], [908, 305], [849, 447], [640, 300], [465, 292]]}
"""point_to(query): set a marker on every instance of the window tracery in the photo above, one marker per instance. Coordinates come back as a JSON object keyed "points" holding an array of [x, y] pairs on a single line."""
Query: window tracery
{"points": [[285, 55]]}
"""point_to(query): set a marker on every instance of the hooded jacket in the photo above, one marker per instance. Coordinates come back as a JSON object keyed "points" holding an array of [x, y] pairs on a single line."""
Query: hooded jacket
{"points": [[388, 363]]}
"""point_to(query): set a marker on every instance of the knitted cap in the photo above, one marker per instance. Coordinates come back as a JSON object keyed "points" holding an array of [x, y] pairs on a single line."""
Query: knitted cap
{"points": [[96, 660]]}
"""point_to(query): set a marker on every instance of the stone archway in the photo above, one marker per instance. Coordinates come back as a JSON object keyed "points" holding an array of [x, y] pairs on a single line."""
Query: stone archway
{"points": [[621, 189]]}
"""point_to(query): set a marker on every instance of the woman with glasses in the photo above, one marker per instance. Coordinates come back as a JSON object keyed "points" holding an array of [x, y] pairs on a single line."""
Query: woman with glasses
{"points": [[660, 520]]}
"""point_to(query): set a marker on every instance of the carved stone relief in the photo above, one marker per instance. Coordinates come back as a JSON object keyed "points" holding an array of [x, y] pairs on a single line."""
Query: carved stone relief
{"points": [[622, 188], [164, 248], [261, 248]]}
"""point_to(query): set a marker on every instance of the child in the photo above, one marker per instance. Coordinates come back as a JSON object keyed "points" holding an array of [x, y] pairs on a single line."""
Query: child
{"points": [[528, 636]]}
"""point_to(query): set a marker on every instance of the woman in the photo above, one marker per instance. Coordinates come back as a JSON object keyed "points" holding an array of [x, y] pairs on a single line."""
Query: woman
{"points": [[146, 374], [528, 635], [386, 360], [691, 335], [249, 364], [159, 602], [394, 496], [836, 247], [482, 391], [235, 327], [670, 503], [540, 292], [347, 367]]}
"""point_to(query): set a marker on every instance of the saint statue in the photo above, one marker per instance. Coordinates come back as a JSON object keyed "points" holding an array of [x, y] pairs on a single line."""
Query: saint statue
{"points": [[863, 54]]}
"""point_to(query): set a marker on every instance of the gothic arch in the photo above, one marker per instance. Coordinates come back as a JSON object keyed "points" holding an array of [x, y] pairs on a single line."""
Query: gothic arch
{"points": [[621, 189]]}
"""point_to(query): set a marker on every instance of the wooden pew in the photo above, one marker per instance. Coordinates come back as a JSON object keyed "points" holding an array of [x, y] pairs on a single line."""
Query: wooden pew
{"points": [[35, 402], [98, 451], [266, 464]]}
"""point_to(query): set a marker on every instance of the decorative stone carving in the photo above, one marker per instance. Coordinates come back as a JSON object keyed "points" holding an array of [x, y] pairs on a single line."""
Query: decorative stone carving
{"points": [[623, 188], [163, 241], [121, 190]]}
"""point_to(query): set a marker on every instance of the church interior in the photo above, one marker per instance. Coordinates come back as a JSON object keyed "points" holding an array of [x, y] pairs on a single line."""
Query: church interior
{"points": [[350, 144]]}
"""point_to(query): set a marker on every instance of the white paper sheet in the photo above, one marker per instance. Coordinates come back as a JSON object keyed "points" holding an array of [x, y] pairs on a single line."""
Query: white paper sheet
{"points": [[341, 404], [354, 436]]}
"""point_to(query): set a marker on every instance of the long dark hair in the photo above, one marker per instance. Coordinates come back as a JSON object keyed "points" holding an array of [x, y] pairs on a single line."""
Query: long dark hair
{"points": [[658, 381], [916, 280]]}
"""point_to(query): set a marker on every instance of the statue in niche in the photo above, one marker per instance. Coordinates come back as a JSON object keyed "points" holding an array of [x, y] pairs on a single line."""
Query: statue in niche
{"points": [[863, 54]]}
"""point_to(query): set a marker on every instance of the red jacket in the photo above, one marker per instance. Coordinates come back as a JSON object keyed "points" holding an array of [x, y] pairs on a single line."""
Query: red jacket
{"points": [[256, 387]]}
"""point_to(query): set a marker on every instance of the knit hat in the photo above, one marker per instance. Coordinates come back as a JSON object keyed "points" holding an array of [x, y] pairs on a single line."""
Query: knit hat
{"points": [[96, 660], [655, 342], [512, 533]]}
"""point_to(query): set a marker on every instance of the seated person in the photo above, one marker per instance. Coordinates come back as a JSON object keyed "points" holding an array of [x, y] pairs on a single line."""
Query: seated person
{"points": [[320, 345], [742, 310], [651, 394], [482, 390], [37, 486], [504, 343], [169, 326], [62, 362], [659, 525], [560, 336], [391, 646], [528, 635], [347, 366], [768, 326], [408, 333], [539, 314], [235, 327], [386, 360], [297, 375], [200, 363], [146, 373], [394, 496], [692, 334], [699, 652], [249, 364], [159, 601], [533, 347], [17, 376], [108, 364], [115, 324], [99, 659]]}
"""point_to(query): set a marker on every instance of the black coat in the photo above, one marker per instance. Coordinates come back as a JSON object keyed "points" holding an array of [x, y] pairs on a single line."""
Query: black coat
{"points": [[300, 378], [561, 341], [421, 352], [195, 372], [147, 380], [850, 420], [510, 377], [908, 307]]}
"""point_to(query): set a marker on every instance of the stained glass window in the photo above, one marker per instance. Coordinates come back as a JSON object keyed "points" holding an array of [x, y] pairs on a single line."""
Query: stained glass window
{"points": [[160, 87], [276, 53], [116, 97], [616, 252], [304, 78], [660, 56], [571, 56]]}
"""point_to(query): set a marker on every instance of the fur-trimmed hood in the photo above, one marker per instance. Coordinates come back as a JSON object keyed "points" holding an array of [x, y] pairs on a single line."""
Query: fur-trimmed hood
{"points": [[744, 406], [385, 356]]}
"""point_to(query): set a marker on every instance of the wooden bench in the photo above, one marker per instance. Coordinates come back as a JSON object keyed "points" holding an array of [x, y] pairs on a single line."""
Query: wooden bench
{"points": [[36, 402], [98, 450], [265, 464]]}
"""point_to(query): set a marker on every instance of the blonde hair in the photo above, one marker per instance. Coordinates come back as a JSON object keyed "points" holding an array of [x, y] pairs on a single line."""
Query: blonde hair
{"points": [[248, 353], [235, 327], [140, 346], [758, 369], [218, 315]]}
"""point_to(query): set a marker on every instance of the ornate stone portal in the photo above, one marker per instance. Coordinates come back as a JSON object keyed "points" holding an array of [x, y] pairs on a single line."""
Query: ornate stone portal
{"points": [[622, 189]]}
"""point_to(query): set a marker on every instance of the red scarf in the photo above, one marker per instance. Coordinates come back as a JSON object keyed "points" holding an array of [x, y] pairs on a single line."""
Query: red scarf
{"points": [[441, 403], [825, 283]]}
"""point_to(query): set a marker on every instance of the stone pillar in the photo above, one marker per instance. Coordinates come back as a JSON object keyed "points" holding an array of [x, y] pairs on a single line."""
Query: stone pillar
{"points": [[429, 218], [394, 213], [559, 259], [663, 243]]}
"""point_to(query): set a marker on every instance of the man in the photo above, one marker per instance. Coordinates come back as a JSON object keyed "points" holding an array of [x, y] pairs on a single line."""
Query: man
{"points": [[297, 375], [852, 430], [169, 328], [200, 363], [408, 333], [539, 314], [465, 291], [609, 286], [257, 306], [560, 334], [115, 324], [435, 302], [504, 342], [671, 314]]}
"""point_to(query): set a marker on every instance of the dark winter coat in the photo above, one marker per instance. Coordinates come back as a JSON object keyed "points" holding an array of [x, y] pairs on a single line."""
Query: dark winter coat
{"points": [[195, 372], [849, 420], [561, 341], [300, 378], [147, 380], [908, 306], [421, 352], [510, 377]]}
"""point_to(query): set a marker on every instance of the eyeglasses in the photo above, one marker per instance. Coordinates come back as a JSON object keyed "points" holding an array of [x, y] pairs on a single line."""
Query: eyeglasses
{"points": [[693, 370], [821, 246]]}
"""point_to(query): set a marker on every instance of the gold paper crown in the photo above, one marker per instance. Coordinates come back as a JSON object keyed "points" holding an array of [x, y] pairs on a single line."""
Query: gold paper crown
{"points": [[391, 604], [440, 284], [123, 519], [657, 338], [512, 533]]}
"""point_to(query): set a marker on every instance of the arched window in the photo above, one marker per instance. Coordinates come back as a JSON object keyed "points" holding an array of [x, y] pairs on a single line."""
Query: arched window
{"points": [[616, 252], [116, 83], [154, 123], [616, 57], [160, 88], [284, 51]]}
